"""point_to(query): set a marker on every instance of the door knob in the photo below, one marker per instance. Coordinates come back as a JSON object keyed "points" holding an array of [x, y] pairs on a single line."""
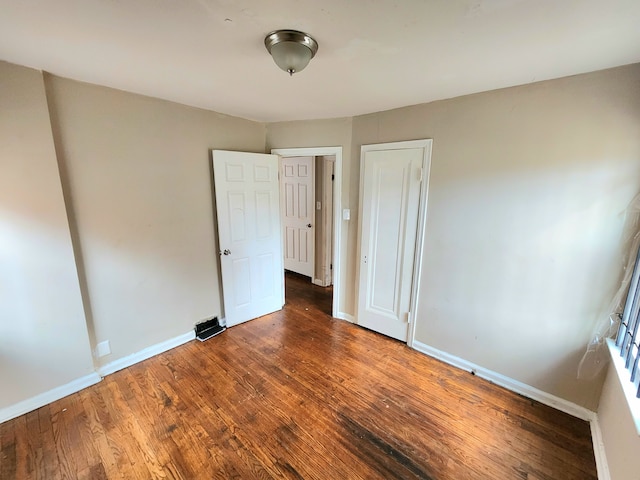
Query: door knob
{"points": [[227, 251], [308, 225]]}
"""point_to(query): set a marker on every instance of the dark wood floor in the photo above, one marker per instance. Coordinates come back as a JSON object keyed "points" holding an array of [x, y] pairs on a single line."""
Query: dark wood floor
{"points": [[295, 394]]}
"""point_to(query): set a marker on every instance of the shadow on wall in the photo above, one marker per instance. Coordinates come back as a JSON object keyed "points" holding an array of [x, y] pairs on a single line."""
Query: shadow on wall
{"points": [[527, 263], [138, 187]]}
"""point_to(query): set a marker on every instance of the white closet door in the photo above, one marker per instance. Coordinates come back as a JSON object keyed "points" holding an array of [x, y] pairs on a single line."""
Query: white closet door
{"points": [[389, 216]]}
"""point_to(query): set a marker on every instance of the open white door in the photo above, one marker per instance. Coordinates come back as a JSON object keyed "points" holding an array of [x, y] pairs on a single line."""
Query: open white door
{"points": [[248, 207], [298, 193], [390, 198]]}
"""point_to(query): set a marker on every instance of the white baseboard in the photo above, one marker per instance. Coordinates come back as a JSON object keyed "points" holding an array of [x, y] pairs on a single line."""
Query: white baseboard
{"points": [[317, 281], [508, 383], [222, 322], [346, 316], [45, 398], [62, 391], [148, 352], [598, 450], [533, 393]]}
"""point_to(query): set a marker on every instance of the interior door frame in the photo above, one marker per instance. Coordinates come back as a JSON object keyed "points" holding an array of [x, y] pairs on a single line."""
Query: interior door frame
{"points": [[337, 216], [426, 146]]}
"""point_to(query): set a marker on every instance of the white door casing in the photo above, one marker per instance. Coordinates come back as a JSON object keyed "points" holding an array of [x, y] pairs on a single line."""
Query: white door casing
{"points": [[390, 234], [248, 208], [297, 182]]}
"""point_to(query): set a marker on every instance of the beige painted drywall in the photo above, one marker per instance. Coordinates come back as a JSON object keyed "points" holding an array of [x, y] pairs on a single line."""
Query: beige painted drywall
{"points": [[327, 133], [619, 436], [318, 230], [526, 195], [43, 336], [323, 218], [524, 213], [139, 178]]}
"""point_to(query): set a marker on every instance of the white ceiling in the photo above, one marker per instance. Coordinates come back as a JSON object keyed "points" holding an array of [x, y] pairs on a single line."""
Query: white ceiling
{"points": [[374, 54]]}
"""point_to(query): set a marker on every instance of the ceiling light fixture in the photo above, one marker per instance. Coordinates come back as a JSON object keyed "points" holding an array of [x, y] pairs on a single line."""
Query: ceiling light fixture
{"points": [[291, 50]]}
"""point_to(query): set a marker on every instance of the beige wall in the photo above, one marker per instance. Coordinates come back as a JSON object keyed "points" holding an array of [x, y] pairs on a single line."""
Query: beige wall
{"points": [[524, 220], [619, 435], [328, 133], [323, 217], [43, 336], [139, 176], [317, 219], [522, 235]]}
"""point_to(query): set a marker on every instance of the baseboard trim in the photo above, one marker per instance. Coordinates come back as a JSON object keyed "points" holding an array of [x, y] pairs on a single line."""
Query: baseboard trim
{"points": [[47, 397], [347, 317], [508, 383], [148, 352], [317, 281], [598, 450]]}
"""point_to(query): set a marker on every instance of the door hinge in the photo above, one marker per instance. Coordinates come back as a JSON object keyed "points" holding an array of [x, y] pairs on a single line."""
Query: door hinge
{"points": [[408, 317], [331, 266], [333, 177]]}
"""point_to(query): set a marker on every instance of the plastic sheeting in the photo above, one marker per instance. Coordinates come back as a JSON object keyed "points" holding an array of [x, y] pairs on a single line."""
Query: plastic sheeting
{"points": [[596, 355]]}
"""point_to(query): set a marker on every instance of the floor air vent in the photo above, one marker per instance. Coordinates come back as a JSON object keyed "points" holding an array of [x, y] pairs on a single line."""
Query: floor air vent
{"points": [[208, 329]]}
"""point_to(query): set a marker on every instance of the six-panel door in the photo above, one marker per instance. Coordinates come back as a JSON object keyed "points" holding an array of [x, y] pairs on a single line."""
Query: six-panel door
{"points": [[248, 207]]}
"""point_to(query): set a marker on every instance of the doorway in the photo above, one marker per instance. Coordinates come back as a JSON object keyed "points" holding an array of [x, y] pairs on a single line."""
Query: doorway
{"points": [[313, 298], [325, 217]]}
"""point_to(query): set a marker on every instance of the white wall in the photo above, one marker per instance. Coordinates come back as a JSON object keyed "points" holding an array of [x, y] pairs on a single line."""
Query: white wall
{"points": [[43, 336], [527, 190], [619, 435], [139, 177]]}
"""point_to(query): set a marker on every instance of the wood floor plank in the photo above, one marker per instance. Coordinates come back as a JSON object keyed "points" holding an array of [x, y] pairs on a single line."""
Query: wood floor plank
{"points": [[50, 466], [8, 454], [61, 424], [362, 402], [289, 403], [286, 421], [296, 394], [92, 405], [230, 457], [34, 446]]}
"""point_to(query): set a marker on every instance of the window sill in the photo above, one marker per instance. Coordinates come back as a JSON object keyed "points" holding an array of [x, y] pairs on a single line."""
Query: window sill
{"points": [[627, 387]]}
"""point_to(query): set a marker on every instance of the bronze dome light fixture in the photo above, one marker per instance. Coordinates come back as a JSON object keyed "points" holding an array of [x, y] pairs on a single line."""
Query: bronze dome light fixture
{"points": [[291, 50]]}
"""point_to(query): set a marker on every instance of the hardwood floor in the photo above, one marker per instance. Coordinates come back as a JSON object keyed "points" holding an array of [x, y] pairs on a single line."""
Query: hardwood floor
{"points": [[299, 395]]}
